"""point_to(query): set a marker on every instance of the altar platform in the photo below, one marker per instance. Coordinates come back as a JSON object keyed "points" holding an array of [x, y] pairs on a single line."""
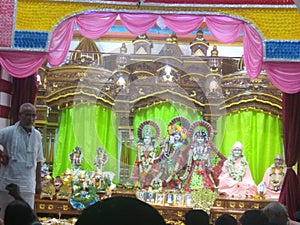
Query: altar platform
{"points": [[234, 206]]}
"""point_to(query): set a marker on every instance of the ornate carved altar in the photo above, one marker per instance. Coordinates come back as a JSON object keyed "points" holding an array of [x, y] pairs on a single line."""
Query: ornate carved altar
{"points": [[172, 214], [125, 83]]}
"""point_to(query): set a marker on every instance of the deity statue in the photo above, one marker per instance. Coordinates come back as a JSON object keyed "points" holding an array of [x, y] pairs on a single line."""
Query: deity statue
{"points": [[273, 177], [235, 178], [144, 170], [198, 169], [98, 178], [173, 155], [100, 159], [204, 161], [67, 177], [76, 157]]}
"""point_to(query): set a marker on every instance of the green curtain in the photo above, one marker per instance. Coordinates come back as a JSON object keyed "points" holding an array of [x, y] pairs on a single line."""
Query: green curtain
{"points": [[90, 127], [260, 133], [162, 114]]}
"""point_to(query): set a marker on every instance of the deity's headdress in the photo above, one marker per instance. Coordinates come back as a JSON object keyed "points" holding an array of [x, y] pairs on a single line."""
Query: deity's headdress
{"points": [[201, 133], [99, 149], [148, 128], [147, 131], [201, 128], [179, 125], [68, 171]]}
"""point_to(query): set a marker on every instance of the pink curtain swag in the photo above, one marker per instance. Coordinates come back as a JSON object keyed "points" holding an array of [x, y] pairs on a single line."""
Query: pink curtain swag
{"points": [[285, 76]]}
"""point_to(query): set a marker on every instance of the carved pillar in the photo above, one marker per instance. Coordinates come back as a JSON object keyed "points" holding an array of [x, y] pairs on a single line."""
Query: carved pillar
{"points": [[47, 124], [122, 109], [215, 106]]}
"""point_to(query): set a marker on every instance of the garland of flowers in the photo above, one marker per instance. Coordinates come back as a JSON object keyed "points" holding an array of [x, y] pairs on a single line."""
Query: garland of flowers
{"points": [[149, 158], [240, 172], [276, 182]]}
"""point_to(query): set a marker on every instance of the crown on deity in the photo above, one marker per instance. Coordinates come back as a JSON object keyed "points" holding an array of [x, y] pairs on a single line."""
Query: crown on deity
{"points": [[147, 131], [82, 175], [201, 133], [179, 125], [173, 129], [148, 128]]}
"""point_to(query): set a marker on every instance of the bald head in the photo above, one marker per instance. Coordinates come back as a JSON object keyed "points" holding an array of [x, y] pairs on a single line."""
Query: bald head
{"points": [[278, 161], [27, 115]]}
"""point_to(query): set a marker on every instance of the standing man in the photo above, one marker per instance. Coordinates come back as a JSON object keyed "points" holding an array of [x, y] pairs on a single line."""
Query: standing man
{"points": [[21, 157]]}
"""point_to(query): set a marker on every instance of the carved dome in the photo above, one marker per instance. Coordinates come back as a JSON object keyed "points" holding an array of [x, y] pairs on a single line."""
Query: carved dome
{"points": [[86, 52]]}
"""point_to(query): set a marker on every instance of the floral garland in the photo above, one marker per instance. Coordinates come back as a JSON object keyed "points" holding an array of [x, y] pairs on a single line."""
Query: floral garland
{"points": [[146, 159], [240, 172], [280, 175]]}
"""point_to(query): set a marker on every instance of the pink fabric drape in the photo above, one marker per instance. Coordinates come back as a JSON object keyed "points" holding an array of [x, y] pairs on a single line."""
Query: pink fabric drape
{"points": [[138, 23], [20, 63], [182, 24], [284, 75], [60, 42], [253, 51], [223, 28], [96, 24]]}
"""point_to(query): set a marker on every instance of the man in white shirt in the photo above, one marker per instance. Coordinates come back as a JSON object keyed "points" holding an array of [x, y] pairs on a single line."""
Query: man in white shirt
{"points": [[21, 158]]}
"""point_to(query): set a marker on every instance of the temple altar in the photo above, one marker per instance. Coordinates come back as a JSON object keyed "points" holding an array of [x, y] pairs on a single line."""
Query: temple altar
{"points": [[172, 214]]}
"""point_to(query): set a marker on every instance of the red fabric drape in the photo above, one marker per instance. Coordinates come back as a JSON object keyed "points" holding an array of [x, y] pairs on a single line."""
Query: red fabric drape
{"points": [[290, 193], [24, 90]]}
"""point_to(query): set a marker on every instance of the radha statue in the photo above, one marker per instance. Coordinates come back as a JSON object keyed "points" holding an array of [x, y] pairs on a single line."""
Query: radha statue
{"points": [[203, 159], [198, 170]]}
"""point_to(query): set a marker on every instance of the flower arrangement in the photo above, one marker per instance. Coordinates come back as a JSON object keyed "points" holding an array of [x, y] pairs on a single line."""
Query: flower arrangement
{"points": [[83, 196], [240, 172]]}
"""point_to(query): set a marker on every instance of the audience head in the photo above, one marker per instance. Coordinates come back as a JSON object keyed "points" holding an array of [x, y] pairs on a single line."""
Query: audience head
{"points": [[196, 217], [226, 219], [18, 212], [276, 213], [253, 216], [14, 191], [120, 210]]}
